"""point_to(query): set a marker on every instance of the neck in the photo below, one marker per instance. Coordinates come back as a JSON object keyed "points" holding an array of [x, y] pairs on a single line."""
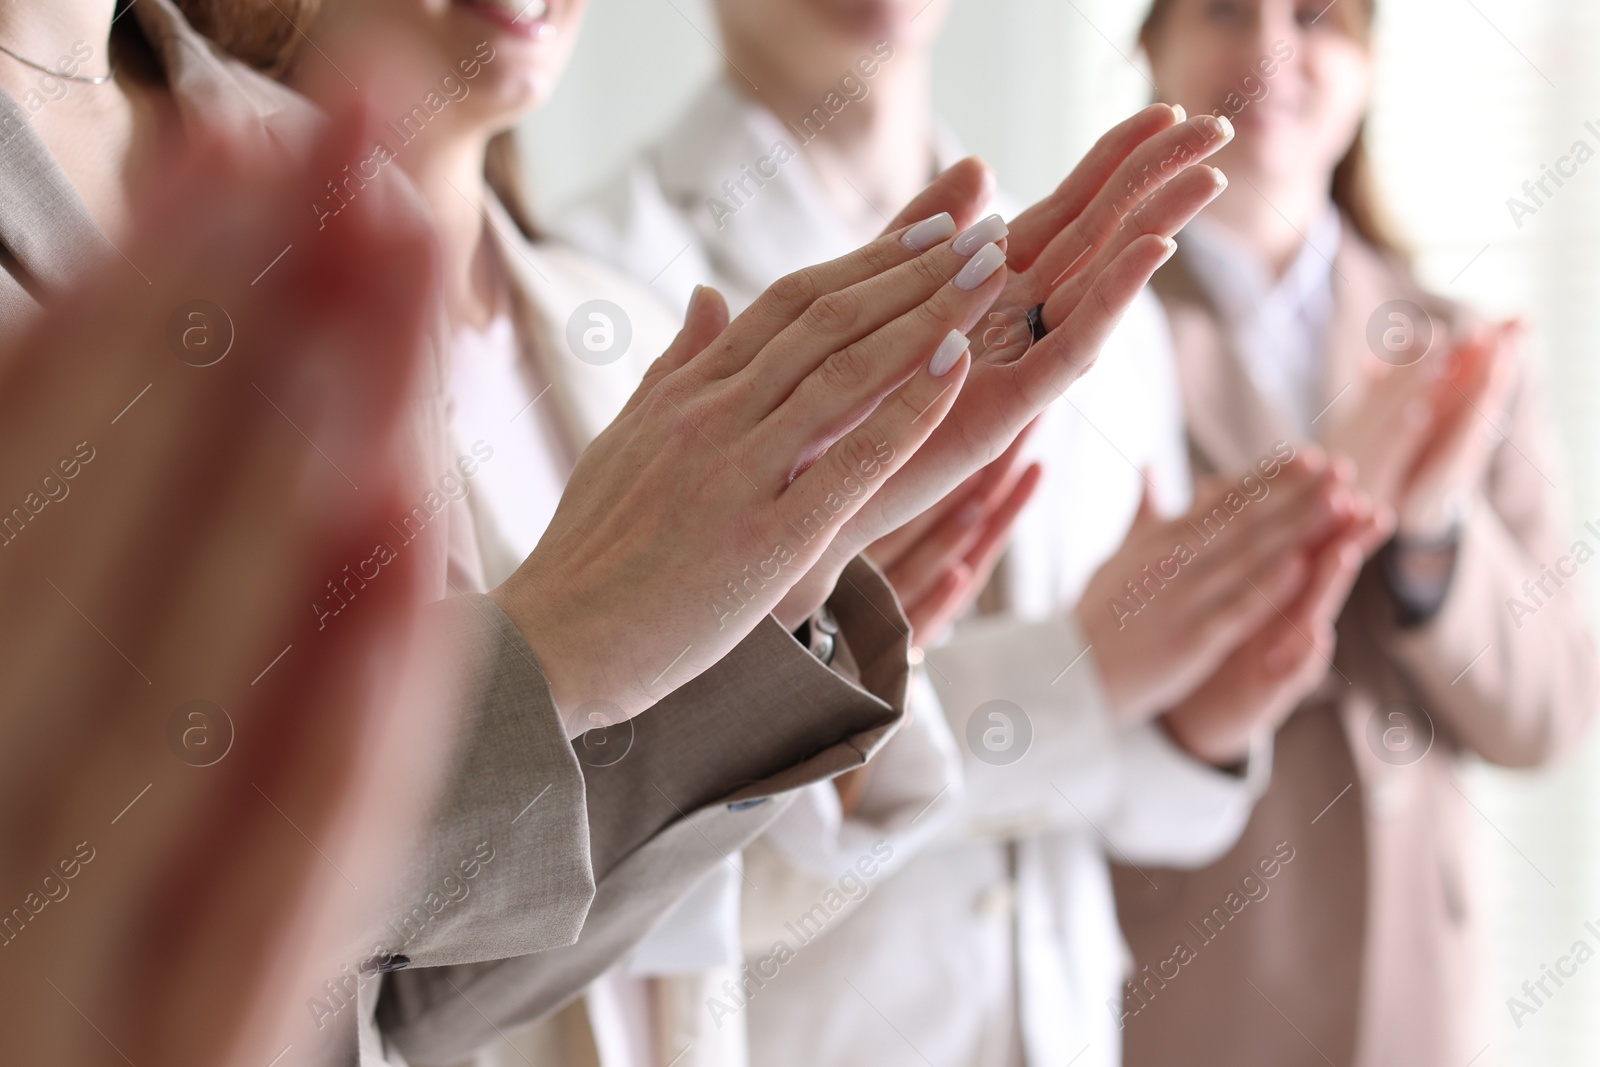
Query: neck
{"points": [[1272, 217], [450, 176], [44, 32], [877, 152]]}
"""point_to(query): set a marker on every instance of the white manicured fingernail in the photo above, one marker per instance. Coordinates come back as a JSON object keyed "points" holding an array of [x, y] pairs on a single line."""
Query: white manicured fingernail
{"points": [[1171, 247], [979, 268], [950, 349], [1179, 113], [980, 233], [929, 232], [1218, 126]]}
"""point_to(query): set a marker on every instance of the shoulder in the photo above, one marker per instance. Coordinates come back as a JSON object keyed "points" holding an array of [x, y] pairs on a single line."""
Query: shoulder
{"points": [[1371, 275], [565, 283], [212, 87]]}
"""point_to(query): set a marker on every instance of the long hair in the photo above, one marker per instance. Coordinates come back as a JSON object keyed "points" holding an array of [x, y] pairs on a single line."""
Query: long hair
{"points": [[263, 34], [508, 180], [1354, 188], [266, 34]]}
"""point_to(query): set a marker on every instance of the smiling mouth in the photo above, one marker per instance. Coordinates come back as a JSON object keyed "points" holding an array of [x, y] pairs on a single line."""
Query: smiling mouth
{"points": [[527, 10], [527, 16]]}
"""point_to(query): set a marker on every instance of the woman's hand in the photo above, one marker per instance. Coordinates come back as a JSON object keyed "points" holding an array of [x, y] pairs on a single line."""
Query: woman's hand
{"points": [[743, 454], [1424, 435], [1385, 434], [189, 766], [1471, 401], [1084, 252], [1180, 595], [1278, 666], [940, 561]]}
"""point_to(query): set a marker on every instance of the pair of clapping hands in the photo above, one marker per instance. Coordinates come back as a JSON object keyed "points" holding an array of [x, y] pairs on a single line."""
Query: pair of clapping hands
{"points": [[224, 500], [1217, 622], [1228, 648]]}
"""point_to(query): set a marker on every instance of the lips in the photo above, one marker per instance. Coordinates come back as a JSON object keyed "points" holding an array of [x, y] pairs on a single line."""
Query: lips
{"points": [[527, 18]]}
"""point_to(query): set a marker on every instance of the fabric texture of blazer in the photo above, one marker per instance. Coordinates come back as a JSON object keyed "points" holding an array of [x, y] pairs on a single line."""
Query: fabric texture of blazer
{"points": [[606, 853], [702, 777], [1340, 929]]}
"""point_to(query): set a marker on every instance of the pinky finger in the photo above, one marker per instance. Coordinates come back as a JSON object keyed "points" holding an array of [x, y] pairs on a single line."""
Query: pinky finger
{"points": [[703, 323], [997, 533], [930, 615]]}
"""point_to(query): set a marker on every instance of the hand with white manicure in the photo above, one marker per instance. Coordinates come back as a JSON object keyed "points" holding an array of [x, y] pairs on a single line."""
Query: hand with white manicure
{"points": [[1084, 252], [739, 460]]}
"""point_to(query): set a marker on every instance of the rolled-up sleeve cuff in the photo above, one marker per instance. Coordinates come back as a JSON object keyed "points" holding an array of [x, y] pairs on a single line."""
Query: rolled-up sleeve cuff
{"points": [[1177, 810]]}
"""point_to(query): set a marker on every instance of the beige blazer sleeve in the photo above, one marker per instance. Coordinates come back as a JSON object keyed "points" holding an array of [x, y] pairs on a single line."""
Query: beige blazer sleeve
{"points": [[700, 775], [1512, 674]]}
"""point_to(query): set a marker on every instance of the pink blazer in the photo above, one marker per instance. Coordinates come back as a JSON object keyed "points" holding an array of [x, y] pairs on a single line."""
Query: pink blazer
{"points": [[1340, 929]]}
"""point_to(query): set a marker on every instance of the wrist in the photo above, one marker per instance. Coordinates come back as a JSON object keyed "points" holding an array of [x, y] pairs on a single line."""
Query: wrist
{"points": [[579, 687], [1419, 572], [807, 596], [1218, 744], [1108, 669], [1435, 522]]}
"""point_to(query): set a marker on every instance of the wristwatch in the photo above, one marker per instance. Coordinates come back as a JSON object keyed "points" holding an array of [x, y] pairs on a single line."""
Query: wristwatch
{"points": [[819, 634], [1419, 574]]}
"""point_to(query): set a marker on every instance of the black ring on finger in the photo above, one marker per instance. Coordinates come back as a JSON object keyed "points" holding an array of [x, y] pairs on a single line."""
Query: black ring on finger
{"points": [[1036, 324]]}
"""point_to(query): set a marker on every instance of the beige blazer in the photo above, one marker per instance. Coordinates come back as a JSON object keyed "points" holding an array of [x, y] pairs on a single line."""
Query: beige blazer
{"points": [[1359, 947], [610, 848]]}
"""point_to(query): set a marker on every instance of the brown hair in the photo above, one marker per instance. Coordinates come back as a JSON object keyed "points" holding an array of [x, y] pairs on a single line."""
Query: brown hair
{"points": [[263, 34], [1354, 189], [508, 180]]}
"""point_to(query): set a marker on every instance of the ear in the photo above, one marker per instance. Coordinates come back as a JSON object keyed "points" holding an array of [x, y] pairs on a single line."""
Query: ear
{"points": [[963, 190]]}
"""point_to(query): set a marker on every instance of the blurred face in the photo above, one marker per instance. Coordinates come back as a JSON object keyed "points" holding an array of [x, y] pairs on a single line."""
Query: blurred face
{"points": [[831, 34], [513, 50], [1292, 75]]}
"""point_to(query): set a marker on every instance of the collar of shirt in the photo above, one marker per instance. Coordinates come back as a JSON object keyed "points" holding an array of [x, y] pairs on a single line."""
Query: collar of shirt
{"points": [[1277, 326]]}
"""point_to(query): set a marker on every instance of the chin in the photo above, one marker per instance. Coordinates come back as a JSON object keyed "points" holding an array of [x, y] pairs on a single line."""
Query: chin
{"points": [[509, 102]]}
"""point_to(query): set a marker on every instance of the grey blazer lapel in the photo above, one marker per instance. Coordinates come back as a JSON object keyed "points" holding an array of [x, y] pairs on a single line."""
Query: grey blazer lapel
{"points": [[46, 231]]}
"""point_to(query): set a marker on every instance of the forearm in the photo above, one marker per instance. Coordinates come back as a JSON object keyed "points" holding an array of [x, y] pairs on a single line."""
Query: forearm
{"points": [[1507, 662]]}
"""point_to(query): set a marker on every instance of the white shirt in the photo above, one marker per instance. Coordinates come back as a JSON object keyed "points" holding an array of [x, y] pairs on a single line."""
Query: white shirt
{"points": [[493, 393], [499, 400], [1279, 326]]}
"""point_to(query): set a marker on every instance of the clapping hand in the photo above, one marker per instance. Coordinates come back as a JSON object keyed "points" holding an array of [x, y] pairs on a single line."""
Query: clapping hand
{"points": [[1083, 253], [190, 767], [940, 561]]}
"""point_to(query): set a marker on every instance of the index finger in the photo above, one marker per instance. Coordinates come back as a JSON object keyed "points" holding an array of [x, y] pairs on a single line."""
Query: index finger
{"points": [[786, 299], [1032, 230]]}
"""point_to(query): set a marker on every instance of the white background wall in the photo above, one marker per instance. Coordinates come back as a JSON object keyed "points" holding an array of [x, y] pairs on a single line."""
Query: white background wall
{"points": [[1474, 97]]}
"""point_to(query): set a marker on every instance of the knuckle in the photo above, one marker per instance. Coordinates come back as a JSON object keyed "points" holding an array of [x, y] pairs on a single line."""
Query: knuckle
{"points": [[857, 453], [834, 313], [883, 254], [934, 315], [847, 370], [931, 272], [794, 292], [677, 403], [1100, 302]]}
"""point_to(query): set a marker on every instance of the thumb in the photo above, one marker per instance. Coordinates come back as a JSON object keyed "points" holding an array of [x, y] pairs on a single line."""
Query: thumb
{"points": [[1147, 515], [703, 322]]}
